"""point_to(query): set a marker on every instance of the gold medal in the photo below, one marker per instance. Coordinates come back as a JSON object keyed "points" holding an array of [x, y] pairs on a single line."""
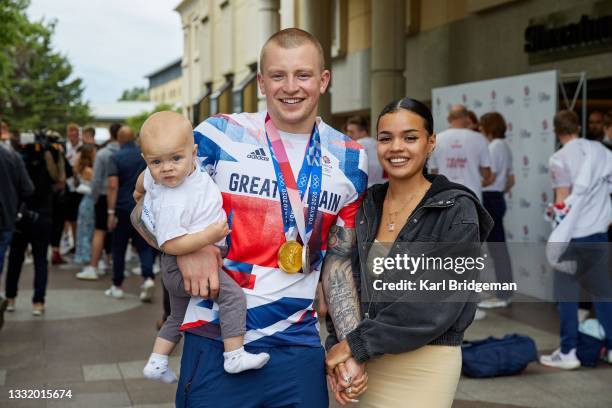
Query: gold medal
{"points": [[290, 257]]}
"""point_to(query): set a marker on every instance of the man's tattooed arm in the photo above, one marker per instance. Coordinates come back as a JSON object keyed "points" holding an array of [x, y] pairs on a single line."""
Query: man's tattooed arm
{"points": [[338, 283]]}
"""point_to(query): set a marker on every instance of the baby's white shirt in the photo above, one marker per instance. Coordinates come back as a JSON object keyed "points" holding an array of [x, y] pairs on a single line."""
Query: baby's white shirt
{"points": [[170, 212]]}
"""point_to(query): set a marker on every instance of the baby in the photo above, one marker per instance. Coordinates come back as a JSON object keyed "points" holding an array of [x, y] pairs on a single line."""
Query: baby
{"points": [[183, 209]]}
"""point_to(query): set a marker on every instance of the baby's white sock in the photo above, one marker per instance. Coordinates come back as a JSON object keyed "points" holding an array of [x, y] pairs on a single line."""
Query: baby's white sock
{"points": [[157, 369], [240, 360]]}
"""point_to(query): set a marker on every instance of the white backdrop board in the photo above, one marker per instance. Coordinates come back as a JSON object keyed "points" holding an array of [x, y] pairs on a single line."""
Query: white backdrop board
{"points": [[528, 103]]}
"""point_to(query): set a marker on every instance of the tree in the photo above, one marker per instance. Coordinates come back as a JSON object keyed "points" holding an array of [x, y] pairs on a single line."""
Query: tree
{"points": [[135, 122], [135, 94], [38, 86]]}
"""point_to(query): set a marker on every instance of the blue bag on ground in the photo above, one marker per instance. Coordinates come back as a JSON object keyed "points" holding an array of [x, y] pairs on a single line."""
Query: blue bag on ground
{"points": [[493, 357], [589, 349]]}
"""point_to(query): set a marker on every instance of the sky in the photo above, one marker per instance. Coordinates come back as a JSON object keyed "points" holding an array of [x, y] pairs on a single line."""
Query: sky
{"points": [[113, 44]]}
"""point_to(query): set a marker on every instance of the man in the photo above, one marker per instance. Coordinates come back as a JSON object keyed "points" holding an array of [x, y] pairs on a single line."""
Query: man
{"points": [[357, 129], [251, 157], [99, 186], [580, 172], [15, 185], [124, 168], [461, 154], [596, 126]]}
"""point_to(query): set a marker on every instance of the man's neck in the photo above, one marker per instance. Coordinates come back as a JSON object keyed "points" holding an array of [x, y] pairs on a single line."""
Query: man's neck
{"points": [[567, 138], [303, 127], [457, 126]]}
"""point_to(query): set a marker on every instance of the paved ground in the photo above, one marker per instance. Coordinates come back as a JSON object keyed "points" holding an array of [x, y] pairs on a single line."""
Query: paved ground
{"points": [[96, 347]]}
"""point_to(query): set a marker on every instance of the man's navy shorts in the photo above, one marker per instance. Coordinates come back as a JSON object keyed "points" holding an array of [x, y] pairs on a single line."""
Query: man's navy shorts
{"points": [[293, 377]]}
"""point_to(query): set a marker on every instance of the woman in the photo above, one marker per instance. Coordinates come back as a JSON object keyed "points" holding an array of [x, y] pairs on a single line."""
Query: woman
{"points": [[83, 173], [412, 349], [493, 126]]}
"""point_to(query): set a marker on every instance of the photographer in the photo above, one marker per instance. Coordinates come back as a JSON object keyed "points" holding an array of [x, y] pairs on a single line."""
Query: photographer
{"points": [[15, 184], [45, 170]]}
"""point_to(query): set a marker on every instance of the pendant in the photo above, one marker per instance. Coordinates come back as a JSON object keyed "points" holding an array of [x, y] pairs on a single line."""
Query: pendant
{"points": [[390, 226]]}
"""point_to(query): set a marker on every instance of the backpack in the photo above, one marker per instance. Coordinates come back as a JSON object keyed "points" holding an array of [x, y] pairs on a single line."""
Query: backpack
{"points": [[493, 357]]}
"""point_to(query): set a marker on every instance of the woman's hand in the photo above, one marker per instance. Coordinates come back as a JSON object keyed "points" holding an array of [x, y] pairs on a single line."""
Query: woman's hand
{"points": [[337, 354], [348, 381]]}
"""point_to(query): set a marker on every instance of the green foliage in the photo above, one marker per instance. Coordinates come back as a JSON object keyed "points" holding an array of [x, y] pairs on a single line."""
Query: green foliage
{"points": [[135, 122], [135, 94], [37, 86]]}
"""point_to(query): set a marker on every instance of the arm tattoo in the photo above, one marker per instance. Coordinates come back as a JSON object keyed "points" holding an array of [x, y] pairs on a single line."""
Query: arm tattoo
{"points": [[338, 283], [140, 227]]}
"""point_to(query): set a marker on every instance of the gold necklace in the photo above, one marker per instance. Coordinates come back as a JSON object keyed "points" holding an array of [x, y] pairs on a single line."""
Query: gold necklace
{"points": [[393, 214]]}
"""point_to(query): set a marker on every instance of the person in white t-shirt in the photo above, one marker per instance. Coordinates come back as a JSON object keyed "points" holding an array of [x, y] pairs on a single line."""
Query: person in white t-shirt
{"points": [[357, 129], [590, 228], [493, 127], [183, 208], [461, 154]]}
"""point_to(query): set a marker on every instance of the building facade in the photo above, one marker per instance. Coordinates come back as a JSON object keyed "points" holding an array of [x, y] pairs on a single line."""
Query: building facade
{"points": [[165, 84], [380, 50]]}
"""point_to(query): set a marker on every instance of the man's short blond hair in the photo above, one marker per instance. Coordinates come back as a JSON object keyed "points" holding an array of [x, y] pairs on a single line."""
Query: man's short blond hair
{"points": [[71, 126], [292, 38]]}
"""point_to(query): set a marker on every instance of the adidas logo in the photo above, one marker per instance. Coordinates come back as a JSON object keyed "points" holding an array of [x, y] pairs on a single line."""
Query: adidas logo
{"points": [[259, 154]]}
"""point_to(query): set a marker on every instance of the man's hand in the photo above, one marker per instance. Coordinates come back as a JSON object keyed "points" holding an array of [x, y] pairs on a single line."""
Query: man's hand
{"points": [[337, 354], [200, 271]]}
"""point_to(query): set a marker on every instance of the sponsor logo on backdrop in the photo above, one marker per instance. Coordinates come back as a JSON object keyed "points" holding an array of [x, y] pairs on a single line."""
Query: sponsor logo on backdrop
{"points": [[508, 100], [493, 94], [542, 169], [464, 98], [543, 97], [525, 231], [525, 134], [541, 238], [526, 97], [546, 131], [510, 235], [523, 203], [477, 103], [525, 169]]}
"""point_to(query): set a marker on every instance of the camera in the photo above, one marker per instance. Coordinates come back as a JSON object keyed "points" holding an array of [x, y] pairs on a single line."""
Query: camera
{"points": [[25, 217]]}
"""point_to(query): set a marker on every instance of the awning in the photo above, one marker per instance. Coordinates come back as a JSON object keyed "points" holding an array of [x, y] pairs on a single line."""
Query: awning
{"points": [[201, 108], [219, 100], [244, 95]]}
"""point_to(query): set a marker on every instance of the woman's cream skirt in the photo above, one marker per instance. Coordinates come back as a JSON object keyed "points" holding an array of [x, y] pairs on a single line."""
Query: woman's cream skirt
{"points": [[423, 378]]}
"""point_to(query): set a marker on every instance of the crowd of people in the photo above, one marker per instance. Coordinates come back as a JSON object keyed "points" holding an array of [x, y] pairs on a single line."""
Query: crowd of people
{"points": [[286, 197], [56, 191]]}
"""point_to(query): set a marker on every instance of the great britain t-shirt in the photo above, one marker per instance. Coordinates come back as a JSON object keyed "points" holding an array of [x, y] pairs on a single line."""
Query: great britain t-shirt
{"points": [[234, 150]]}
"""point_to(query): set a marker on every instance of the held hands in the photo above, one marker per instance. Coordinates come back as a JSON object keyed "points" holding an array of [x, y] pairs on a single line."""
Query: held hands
{"points": [[200, 271], [346, 376]]}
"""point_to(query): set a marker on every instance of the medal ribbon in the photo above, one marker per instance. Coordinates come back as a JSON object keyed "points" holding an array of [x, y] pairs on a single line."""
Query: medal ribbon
{"points": [[292, 191]]}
